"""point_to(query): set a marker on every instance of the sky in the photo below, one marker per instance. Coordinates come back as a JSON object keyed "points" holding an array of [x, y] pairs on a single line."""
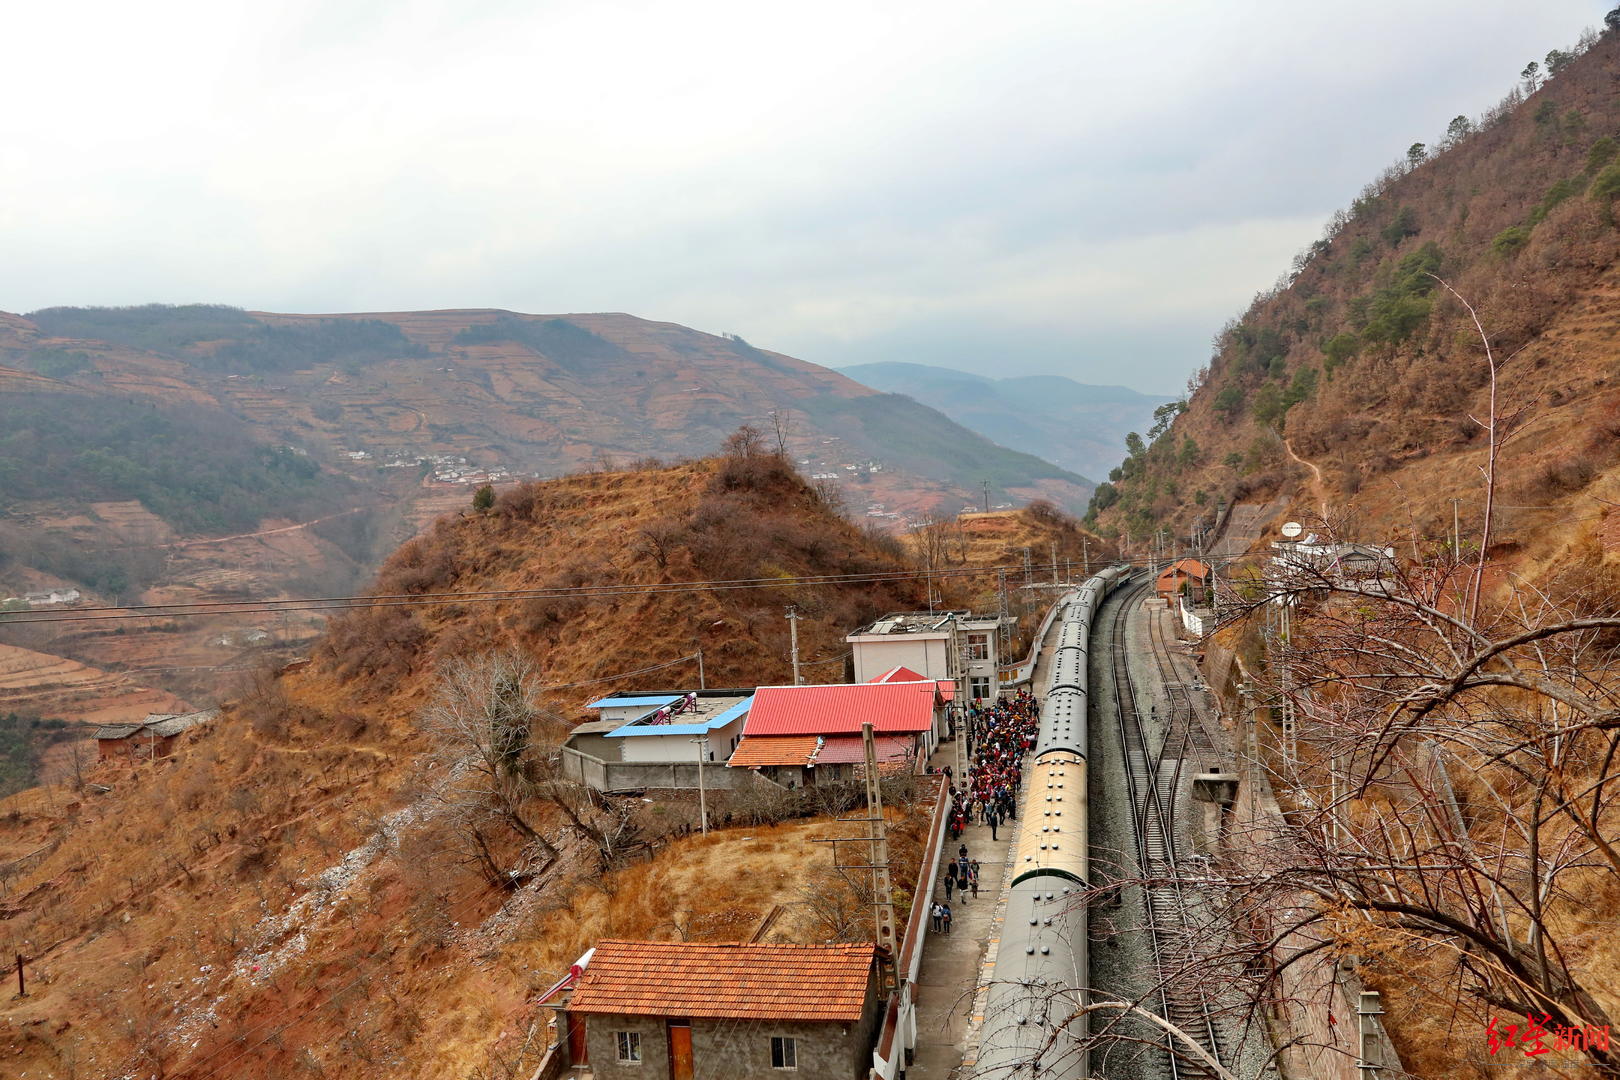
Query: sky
{"points": [[1088, 188]]}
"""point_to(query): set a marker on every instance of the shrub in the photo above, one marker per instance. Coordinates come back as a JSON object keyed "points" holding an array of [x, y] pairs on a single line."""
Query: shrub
{"points": [[1600, 155], [1403, 224], [1563, 189], [1510, 241], [1607, 183]]}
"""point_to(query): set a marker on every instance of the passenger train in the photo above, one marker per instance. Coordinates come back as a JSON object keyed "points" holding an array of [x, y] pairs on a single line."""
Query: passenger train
{"points": [[1043, 958]]}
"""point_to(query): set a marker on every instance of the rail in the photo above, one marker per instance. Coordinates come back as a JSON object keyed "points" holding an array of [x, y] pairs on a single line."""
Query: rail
{"points": [[1152, 781]]}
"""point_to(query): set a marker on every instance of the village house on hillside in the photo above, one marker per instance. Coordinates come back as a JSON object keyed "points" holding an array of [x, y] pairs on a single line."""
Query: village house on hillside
{"points": [[956, 646], [667, 1010], [153, 737], [63, 597], [1184, 577], [656, 739], [1336, 561], [800, 735]]}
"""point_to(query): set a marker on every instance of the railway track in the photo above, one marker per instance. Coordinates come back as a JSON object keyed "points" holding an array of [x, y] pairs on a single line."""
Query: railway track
{"points": [[1152, 782]]}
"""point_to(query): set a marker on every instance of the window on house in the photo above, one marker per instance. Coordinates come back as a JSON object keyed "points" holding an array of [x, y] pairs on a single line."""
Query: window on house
{"points": [[979, 687], [784, 1054], [629, 1046], [978, 646]]}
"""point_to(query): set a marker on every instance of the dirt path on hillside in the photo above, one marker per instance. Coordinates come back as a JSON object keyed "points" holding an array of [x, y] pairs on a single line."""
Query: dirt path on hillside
{"points": [[1316, 483], [252, 535]]}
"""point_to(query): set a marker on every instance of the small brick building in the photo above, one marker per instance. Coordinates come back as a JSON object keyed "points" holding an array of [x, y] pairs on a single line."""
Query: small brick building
{"points": [[1184, 575], [153, 737], [657, 1010]]}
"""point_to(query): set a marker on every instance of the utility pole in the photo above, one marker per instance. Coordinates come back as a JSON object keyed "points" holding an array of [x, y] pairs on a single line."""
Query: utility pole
{"points": [[1085, 556], [1053, 546], [793, 628], [702, 742], [1456, 531], [883, 920], [1368, 1060], [701, 684], [882, 891], [1027, 578], [986, 485]]}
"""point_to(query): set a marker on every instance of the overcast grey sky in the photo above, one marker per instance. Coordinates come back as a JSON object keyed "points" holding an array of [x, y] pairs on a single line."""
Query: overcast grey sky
{"points": [[1086, 188]]}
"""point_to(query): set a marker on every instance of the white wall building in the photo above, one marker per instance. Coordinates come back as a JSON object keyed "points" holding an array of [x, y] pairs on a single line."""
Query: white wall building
{"points": [[956, 646]]}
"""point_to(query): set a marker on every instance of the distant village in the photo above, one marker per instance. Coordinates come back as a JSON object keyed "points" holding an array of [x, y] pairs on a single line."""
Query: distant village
{"points": [[446, 468], [45, 598]]}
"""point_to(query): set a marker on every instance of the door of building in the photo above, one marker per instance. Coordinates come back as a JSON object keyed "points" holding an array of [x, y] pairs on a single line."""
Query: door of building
{"points": [[577, 1054], [680, 1050]]}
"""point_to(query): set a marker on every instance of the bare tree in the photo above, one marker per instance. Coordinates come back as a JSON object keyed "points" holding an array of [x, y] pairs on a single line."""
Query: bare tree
{"points": [[781, 429], [480, 723]]}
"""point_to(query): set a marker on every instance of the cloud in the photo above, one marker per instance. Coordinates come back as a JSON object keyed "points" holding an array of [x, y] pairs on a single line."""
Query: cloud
{"points": [[1089, 189]]}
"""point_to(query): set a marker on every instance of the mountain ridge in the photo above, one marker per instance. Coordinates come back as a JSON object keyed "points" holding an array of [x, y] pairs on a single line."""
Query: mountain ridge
{"points": [[1078, 425]]}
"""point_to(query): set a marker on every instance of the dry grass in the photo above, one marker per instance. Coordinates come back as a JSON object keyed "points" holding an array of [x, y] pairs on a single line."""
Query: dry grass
{"points": [[178, 879]]}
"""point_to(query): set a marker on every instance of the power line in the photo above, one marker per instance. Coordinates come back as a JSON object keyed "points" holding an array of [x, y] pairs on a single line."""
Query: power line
{"points": [[435, 599]]}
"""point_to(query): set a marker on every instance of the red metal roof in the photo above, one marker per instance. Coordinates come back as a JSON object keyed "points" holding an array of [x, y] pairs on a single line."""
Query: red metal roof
{"points": [[947, 689], [826, 983], [848, 749], [841, 709], [898, 674]]}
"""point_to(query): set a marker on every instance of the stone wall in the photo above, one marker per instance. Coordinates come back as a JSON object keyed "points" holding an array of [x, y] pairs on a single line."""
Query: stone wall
{"points": [[726, 1049]]}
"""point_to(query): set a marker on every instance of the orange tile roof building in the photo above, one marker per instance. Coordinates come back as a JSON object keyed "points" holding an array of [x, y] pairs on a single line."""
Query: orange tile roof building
{"points": [[681, 1011], [1189, 575]]}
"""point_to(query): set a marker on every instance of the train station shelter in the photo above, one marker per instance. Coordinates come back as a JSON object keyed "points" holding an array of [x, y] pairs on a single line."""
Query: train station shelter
{"points": [[675, 1010]]}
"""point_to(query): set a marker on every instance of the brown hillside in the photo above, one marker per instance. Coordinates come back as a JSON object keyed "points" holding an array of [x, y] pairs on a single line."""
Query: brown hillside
{"points": [[285, 896], [1354, 384], [404, 415]]}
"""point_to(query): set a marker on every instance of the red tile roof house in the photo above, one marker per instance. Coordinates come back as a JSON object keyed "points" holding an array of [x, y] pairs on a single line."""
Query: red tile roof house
{"points": [[907, 720], [667, 1010]]}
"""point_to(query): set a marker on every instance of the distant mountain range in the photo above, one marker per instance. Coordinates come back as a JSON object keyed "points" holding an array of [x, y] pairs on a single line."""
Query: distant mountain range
{"points": [[173, 453], [1072, 424]]}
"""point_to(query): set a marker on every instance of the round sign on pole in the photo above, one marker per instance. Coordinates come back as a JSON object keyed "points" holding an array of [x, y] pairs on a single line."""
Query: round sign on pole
{"points": [[1292, 529]]}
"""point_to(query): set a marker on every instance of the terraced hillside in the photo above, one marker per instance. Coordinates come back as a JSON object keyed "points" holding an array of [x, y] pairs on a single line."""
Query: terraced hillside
{"points": [[170, 454]]}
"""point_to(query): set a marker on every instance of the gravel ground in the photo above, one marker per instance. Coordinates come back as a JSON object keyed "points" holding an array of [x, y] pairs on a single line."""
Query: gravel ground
{"points": [[1121, 957]]}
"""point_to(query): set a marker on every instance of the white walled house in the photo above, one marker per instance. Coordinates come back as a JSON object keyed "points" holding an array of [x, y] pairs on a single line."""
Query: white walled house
{"points": [[718, 720], [953, 646]]}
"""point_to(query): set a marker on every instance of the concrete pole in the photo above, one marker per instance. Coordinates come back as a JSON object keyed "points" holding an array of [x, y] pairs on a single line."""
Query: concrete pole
{"points": [[1085, 556], [793, 629], [702, 743], [1368, 1060], [1053, 546], [882, 890], [1456, 531], [701, 684]]}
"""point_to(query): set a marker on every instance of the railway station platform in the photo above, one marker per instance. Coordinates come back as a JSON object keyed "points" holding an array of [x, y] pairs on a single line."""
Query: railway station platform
{"points": [[953, 964]]}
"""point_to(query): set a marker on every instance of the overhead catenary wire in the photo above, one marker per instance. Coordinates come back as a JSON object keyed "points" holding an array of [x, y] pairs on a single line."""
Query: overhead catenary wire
{"points": [[484, 596], [347, 603]]}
